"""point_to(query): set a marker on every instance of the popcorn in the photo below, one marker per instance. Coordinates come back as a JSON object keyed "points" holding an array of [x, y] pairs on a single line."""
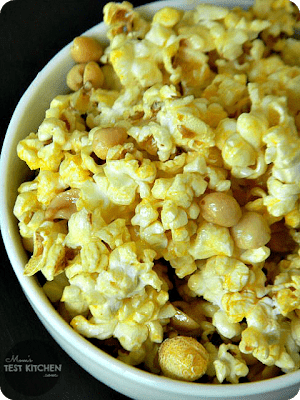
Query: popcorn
{"points": [[49, 185], [285, 291], [54, 289], [125, 177], [207, 101], [49, 252], [224, 326], [211, 240], [266, 338], [230, 366], [218, 276], [52, 129], [38, 155]]}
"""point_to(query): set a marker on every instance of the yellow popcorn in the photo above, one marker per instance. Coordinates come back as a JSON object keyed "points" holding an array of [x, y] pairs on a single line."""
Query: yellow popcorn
{"points": [[251, 127], [49, 250], [134, 57], [125, 177], [210, 12], [26, 202], [224, 326], [72, 172], [193, 104], [205, 244], [162, 140], [145, 213], [285, 291], [155, 236], [291, 51], [238, 304], [73, 301], [237, 152], [49, 184], [218, 276], [266, 338], [37, 155], [54, 289], [167, 16], [52, 128], [254, 256], [279, 14], [122, 19], [114, 234], [180, 189], [227, 90], [230, 364], [184, 265]]}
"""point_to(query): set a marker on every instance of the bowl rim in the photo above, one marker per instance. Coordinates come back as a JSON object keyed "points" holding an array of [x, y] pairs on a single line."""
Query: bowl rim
{"points": [[33, 290]]}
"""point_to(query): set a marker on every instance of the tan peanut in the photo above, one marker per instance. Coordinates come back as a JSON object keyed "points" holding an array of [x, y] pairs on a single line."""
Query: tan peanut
{"points": [[105, 138], [184, 324], [88, 75], [221, 209], [183, 358], [252, 231], [75, 77], [93, 74], [195, 309], [62, 205], [85, 49]]}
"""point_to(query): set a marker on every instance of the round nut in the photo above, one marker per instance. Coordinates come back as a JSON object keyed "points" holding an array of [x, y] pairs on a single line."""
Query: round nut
{"points": [[85, 49], [251, 232], [93, 74], [184, 324], [75, 77], [183, 358], [221, 209], [105, 138]]}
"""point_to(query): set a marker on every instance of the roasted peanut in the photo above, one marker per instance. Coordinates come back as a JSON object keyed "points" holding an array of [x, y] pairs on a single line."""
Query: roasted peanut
{"points": [[221, 209], [85, 49], [252, 231], [93, 74], [63, 205], [184, 324], [75, 77], [88, 75], [105, 138], [183, 358]]}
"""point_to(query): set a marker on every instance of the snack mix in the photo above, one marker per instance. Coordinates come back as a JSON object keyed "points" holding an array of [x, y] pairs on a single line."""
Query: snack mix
{"points": [[164, 211]]}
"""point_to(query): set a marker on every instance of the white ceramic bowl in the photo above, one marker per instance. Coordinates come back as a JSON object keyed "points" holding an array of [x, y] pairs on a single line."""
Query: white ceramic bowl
{"points": [[128, 380]]}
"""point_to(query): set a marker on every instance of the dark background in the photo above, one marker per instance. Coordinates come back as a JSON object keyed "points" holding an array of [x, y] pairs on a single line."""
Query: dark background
{"points": [[31, 33]]}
